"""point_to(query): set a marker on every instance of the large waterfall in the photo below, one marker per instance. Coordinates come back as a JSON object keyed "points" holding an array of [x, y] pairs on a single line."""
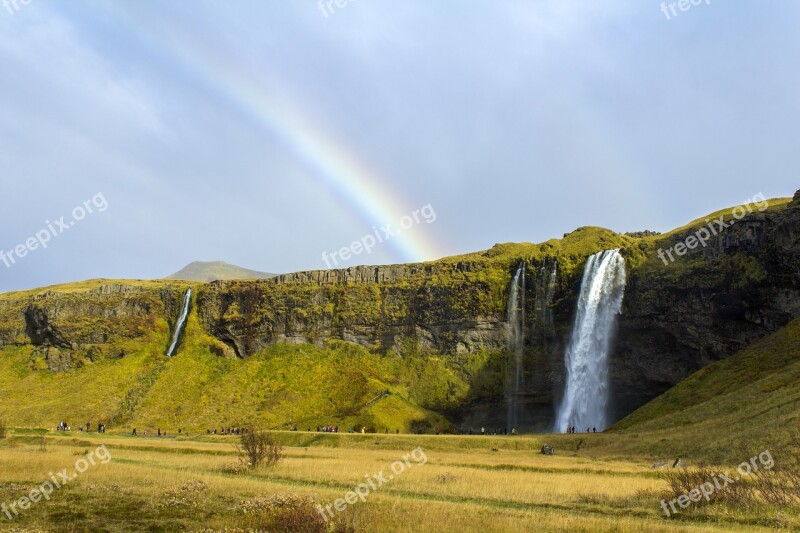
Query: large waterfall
{"points": [[585, 401], [181, 323], [516, 322]]}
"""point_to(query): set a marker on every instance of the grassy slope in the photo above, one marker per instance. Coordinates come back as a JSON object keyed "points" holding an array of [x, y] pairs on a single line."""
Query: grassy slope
{"points": [[750, 400], [197, 390]]}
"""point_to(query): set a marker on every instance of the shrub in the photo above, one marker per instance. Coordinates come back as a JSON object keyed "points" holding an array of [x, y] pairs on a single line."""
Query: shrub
{"points": [[288, 513], [235, 468], [292, 514], [257, 447], [780, 485], [777, 484], [2, 428], [683, 480]]}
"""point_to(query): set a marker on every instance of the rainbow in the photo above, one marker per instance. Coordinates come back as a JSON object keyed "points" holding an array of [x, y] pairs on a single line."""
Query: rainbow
{"points": [[358, 188], [360, 191]]}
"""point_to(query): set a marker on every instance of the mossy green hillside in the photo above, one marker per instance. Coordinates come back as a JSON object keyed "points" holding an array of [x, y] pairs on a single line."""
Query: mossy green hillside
{"points": [[749, 401], [303, 385]]}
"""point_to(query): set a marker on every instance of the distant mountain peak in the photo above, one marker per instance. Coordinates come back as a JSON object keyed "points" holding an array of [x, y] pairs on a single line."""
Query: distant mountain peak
{"points": [[207, 271]]}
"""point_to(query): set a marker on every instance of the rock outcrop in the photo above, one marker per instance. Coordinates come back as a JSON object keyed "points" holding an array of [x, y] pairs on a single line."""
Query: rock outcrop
{"points": [[70, 326]]}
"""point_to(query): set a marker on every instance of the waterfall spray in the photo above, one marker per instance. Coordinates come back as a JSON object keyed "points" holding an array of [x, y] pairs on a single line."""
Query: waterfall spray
{"points": [[585, 401]]}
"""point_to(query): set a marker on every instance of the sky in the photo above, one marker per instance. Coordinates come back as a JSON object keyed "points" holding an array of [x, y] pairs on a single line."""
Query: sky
{"points": [[295, 134]]}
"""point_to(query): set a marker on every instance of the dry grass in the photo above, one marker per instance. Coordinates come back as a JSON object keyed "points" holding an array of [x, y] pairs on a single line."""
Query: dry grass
{"points": [[168, 485]]}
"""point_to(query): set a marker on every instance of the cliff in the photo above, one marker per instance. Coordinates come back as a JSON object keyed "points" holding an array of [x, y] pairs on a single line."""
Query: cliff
{"points": [[75, 324], [716, 300], [677, 316]]}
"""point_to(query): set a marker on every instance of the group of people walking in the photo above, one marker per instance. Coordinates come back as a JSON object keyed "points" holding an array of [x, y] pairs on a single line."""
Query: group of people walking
{"points": [[571, 429], [63, 426], [225, 431], [490, 431]]}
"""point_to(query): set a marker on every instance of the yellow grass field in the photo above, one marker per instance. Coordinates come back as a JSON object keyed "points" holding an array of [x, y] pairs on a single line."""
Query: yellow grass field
{"points": [[451, 483]]}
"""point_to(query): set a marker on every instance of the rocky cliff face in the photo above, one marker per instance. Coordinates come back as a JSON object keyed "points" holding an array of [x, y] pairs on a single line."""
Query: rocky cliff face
{"points": [[372, 306], [71, 327], [677, 317]]}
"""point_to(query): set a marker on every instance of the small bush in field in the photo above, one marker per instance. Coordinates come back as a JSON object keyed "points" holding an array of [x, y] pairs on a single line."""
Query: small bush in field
{"points": [[257, 447], [775, 481], [290, 513], [236, 468]]}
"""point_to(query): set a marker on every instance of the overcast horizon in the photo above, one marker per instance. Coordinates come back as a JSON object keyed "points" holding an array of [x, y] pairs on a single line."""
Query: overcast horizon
{"points": [[271, 135]]}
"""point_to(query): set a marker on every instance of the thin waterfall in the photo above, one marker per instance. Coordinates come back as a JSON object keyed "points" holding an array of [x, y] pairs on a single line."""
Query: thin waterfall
{"points": [[516, 322], [181, 323], [545, 291], [551, 292], [585, 402]]}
